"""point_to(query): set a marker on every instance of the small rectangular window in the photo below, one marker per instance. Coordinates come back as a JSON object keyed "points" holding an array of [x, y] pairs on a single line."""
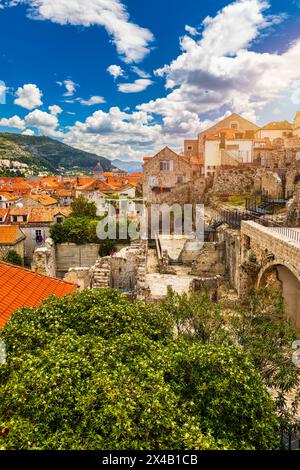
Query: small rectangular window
{"points": [[166, 165]]}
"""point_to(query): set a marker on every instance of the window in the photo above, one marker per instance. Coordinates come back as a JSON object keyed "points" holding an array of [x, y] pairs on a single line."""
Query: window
{"points": [[15, 218], [166, 165], [179, 179], [190, 147], [38, 233], [59, 220], [234, 125]]}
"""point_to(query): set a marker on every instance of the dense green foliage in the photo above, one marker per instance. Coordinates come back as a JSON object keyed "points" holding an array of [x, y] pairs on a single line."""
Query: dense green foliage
{"points": [[83, 208], [261, 328], [81, 227], [99, 372], [13, 257], [52, 154]]}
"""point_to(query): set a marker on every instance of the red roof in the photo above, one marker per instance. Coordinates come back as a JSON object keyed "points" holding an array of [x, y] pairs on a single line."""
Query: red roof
{"points": [[20, 288]]}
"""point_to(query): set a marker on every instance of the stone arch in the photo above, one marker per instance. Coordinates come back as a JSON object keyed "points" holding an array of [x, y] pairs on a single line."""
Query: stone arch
{"points": [[286, 278]]}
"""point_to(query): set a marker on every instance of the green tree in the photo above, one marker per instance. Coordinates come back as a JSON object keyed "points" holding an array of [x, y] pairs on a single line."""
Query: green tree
{"points": [[82, 208], [79, 230], [99, 372], [13, 257], [260, 327]]}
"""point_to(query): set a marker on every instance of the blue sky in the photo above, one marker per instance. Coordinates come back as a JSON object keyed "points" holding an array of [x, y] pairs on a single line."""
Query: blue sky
{"points": [[220, 57]]}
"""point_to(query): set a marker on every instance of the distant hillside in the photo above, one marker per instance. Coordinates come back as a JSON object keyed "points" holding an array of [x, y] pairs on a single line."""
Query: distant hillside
{"points": [[130, 167], [49, 154]]}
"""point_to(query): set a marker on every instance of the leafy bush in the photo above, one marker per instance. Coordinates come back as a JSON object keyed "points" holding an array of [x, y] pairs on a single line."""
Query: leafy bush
{"points": [[13, 257], [99, 372]]}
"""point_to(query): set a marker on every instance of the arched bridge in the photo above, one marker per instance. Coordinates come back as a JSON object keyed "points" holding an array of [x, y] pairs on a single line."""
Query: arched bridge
{"points": [[274, 253]]}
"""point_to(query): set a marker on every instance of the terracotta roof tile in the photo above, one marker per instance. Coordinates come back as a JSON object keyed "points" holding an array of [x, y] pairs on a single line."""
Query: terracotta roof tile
{"points": [[10, 234], [20, 288]]}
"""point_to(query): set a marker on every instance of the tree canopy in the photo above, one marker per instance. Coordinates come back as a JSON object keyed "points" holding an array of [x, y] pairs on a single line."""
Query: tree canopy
{"points": [[83, 208], [100, 372]]}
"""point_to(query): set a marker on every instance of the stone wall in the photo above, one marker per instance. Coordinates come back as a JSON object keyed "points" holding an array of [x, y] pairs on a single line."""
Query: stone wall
{"points": [[124, 271], [272, 184], [44, 259], [293, 212], [231, 248], [234, 180], [70, 255], [210, 261], [79, 276], [18, 248]]}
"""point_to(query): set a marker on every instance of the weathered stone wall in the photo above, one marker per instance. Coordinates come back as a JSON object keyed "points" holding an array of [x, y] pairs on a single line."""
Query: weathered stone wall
{"points": [[44, 259], [124, 271], [70, 255], [18, 248], [210, 261], [231, 248], [272, 184], [233, 180], [293, 213], [79, 276]]}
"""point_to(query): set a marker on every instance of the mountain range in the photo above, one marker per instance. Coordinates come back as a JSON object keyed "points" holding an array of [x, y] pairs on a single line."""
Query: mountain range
{"points": [[44, 153], [130, 167]]}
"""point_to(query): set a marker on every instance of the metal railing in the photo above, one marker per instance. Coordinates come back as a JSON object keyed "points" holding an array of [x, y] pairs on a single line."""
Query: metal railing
{"points": [[289, 233]]}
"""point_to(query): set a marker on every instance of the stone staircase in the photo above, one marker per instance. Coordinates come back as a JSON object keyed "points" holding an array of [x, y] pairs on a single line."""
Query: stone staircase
{"points": [[101, 274]]}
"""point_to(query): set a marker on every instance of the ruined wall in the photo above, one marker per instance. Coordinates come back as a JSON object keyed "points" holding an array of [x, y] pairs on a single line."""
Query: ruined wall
{"points": [[210, 261], [272, 184], [234, 180], [231, 248], [44, 259], [124, 271], [79, 276], [293, 210]]}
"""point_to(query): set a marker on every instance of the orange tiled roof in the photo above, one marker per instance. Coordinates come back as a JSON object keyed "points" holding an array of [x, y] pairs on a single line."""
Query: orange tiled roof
{"points": [[19, 211], [44, 215], [280, 125], [10, 234], [20, 288], [8, 196], [43, 199]]}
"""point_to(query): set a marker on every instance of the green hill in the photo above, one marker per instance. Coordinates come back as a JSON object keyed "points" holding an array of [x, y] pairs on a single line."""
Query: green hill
{"points": [[48, 154]]}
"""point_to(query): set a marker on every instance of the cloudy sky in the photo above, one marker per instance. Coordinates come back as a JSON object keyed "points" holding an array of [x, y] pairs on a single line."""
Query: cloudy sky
{"points": [[122, 78]]}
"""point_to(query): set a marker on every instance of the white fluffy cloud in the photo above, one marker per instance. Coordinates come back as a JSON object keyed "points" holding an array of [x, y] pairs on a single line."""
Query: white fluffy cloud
{"points": [[55, 110], [141, 73], [28, 132], [116, 134], [93, 100], [70, 87], [131, 40], [136, 87], [220, 71], [29, 96], [46, 123], [15, 122], [115, 71]]}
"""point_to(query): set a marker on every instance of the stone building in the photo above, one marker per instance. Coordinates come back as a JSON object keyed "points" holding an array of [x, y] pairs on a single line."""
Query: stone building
{"points": [[234, 122], [163, 173]]}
